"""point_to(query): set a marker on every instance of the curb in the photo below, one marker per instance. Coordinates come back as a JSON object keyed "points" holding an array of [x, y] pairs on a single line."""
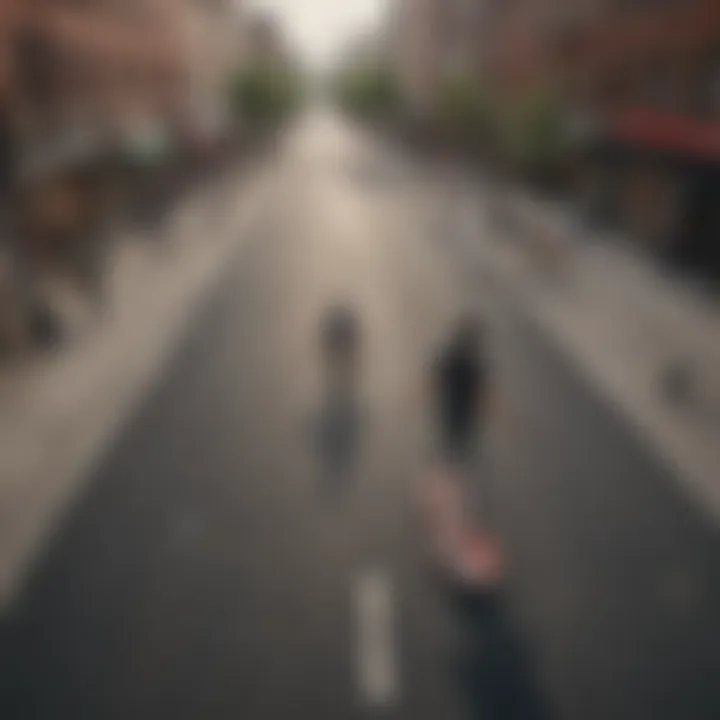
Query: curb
{"points": [[686, 440]]}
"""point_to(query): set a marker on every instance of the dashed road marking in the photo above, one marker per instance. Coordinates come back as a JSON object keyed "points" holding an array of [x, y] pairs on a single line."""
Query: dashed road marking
{"points": [[375, 642]]}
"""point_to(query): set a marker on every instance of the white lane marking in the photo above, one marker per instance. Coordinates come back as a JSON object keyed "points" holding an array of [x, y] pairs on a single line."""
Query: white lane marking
{"points": [[376, 660]]}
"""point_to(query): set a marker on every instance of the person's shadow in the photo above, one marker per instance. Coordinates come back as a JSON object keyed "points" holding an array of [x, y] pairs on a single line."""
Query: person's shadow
{"points": [[338, 433], [493, 667]]}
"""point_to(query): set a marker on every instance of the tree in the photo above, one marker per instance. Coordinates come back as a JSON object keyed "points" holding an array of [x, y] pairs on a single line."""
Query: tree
{"points": [[369, 92], [463, 110], [532, 134], [265, 94]]}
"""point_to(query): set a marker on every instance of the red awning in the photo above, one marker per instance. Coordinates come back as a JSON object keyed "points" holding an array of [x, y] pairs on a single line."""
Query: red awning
{"points": [[656, 130]]}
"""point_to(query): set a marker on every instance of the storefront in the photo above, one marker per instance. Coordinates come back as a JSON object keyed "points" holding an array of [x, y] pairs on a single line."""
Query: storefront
{"points": [[656, 177]]}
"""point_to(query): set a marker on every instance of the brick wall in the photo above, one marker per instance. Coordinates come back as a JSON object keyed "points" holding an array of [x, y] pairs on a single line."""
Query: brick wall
{"points": [[662, 54], [437, 37], [93, 62]]}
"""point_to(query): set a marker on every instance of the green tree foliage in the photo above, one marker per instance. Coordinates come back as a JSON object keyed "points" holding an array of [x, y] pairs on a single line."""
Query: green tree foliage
{"points": [[463, 108], [532, 133], [368, 92], [265, 95]]}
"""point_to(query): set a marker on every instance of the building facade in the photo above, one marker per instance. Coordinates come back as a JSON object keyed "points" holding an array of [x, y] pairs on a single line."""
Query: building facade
{"points": [[98, 68], [265, 43], [640, 87], [81, 80], [93, 64], [436, 39], [213, 35], [647, 77]]}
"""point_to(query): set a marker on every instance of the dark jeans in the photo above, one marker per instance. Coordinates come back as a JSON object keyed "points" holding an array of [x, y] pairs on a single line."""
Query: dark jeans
{"points": [[458, 439], [460, 448]]}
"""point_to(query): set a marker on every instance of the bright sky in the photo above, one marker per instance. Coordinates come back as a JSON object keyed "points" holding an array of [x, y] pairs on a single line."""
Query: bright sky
{"points": [[320, 28]]}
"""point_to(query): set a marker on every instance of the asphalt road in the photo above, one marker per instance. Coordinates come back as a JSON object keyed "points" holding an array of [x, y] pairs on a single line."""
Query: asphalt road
{"points": [[228, 561]]}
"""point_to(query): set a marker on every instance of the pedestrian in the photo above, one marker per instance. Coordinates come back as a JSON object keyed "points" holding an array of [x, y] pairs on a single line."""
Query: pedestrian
{"points": [[458, 501], [340, 337], [461, 386], [341, 418], [460, 377]]}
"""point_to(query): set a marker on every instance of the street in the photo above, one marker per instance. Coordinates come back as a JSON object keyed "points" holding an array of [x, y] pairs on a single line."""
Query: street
{"points": [[215, 568]]}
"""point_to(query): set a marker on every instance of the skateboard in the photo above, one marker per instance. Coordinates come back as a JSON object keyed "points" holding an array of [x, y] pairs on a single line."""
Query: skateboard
{"points": [[464, 549]]}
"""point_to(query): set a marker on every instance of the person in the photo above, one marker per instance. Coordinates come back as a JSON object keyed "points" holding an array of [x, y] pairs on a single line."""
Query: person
{"points": [[340, 338], [460, 382], [341, 418], [460, 505]]}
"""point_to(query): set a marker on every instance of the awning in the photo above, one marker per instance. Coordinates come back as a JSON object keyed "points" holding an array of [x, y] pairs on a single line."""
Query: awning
{"points": [[664, 132]]}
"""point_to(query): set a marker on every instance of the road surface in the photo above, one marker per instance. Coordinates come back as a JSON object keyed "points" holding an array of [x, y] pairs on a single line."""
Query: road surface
{"points": [[218, 566]]}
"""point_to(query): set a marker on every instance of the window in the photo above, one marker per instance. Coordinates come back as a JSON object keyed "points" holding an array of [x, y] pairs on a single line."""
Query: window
{"points": [[656, 83], [641, 5], [37, 64], [708, 86]]}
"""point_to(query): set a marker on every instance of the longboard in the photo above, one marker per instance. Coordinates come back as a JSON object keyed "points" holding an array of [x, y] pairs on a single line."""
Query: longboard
{"points": [[465, 550]]}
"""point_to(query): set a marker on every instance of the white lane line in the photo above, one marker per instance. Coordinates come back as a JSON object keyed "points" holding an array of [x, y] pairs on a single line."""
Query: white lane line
{"points": [[376, 660]]}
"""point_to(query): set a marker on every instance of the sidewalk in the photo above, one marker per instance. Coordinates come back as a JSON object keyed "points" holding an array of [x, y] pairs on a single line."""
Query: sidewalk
{"points": [[57, 412], [632, 328]]}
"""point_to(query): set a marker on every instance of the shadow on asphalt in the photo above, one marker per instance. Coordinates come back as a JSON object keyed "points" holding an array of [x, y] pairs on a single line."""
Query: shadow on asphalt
{"points": [[493, 668], [338, 431]]}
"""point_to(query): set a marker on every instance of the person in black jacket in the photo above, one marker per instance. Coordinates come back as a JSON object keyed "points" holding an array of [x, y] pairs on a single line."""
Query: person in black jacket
{"points": [[340, 340], [460, 380]]}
